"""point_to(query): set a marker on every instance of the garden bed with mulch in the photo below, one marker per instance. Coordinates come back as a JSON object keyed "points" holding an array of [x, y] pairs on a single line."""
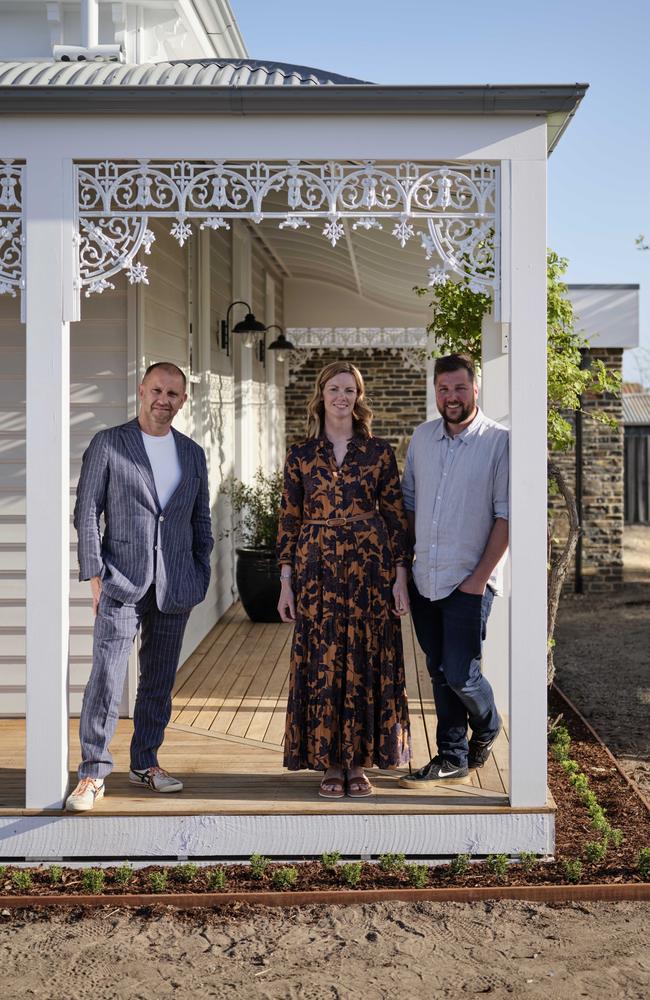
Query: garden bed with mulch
{"points": [[602, 840]]}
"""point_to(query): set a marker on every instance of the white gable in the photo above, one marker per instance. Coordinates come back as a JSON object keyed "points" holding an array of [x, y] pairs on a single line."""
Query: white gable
{"points": [[148, 30]]}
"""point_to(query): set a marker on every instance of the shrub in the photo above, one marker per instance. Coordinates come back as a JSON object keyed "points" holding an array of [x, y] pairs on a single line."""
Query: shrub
{"points": [[497, 865], [158, 881], [580, 783], [560, 741], [185, 873], [123, 875], [56, 874], [572, 869], [21, 879], [527, 860], [284, 878], [3, 871], [596, 850], [92, 880], [392, 862], [330, 861], [351, 872], [418, 875], [460, 864], [616, 836], [599, 821], [258, 864], [257, 506], [217, 879], [643, 863]]}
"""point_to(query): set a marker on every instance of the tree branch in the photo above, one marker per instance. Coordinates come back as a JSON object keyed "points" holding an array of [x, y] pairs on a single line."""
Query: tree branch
{"points": [[559, 566]]}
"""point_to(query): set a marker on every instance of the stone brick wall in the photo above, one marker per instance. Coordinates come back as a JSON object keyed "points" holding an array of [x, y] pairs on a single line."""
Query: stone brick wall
{"points": [[397, 395], [603, 489]]}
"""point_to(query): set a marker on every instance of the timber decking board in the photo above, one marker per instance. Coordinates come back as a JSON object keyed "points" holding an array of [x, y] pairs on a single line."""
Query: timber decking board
{"points": [[249, 704], [225, 740], [196, 690], [420, 747], [238, 692]]}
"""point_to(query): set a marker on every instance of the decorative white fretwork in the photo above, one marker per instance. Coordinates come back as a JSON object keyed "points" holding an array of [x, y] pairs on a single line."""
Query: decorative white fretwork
{"points": [[451, 207], [370, 338], [410, 344], [12, 230]]}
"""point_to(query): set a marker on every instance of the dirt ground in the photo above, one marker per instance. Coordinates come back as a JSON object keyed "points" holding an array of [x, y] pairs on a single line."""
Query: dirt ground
{"points": [[603, 659], [400, 950]]}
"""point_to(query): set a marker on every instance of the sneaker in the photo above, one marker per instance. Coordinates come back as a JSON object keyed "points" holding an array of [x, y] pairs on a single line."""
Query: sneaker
{"points": [[87, 792], [437, 772], [480, 750], [156, 779]]}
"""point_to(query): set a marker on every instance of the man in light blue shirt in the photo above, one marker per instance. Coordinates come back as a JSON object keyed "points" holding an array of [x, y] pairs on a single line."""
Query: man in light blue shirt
{"points": [[455, 487]]}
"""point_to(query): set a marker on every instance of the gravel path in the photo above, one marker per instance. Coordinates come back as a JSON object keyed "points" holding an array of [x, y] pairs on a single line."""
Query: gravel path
{"points": [[602, 659]]}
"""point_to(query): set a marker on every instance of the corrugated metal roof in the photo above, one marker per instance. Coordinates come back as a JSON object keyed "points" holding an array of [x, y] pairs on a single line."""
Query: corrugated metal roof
{"points": [[636, 408], [193, 73]]}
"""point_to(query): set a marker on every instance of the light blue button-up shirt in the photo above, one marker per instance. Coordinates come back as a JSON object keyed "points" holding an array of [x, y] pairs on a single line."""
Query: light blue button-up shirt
{"points": [[457, 486]]}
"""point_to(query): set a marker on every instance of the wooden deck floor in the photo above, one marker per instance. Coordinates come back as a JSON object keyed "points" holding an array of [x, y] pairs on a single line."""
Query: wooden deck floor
{"points": [[225, 741]]}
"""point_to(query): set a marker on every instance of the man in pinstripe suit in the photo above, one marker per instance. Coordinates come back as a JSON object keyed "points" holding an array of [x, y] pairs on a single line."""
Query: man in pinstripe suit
{"points": [[147, 571]]}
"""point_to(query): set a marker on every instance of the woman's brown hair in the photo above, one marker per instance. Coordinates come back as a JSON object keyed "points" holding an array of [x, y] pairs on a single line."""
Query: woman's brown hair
{"points": [[361, 414]]}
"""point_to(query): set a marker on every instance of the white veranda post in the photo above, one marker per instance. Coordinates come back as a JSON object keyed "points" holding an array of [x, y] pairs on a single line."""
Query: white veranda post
{"points": [[49, 228], [526, 193]]}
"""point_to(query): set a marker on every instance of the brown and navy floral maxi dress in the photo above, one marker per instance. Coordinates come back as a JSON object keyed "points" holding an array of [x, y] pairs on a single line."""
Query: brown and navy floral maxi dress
{"points": [[347, 699]]}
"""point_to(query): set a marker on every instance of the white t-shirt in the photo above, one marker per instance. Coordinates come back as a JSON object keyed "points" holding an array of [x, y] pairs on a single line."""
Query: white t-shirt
{"points": [[163, 457]]}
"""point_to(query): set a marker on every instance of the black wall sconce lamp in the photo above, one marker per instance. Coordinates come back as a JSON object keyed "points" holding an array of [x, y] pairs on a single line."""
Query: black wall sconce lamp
{"points": [[249, 327], [281, 346]]}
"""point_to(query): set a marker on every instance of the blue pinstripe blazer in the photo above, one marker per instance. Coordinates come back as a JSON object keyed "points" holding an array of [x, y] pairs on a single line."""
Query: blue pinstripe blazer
{"points": [[141, 542]]}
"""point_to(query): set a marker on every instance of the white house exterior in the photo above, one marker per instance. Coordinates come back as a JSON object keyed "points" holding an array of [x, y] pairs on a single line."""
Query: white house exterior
{"points": [[136, 203]]}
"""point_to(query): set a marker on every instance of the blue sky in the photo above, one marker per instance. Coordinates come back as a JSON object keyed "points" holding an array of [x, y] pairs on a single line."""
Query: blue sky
{"points": [[599, 175]]}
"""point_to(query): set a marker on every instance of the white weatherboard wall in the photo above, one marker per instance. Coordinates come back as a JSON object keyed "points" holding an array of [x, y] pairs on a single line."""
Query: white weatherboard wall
{"points": [[166, 306], [275, 376], [220, 417], [267, 303], [98, 399]]}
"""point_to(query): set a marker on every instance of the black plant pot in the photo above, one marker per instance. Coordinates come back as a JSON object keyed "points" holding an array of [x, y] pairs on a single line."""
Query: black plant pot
{"points": [[258, 583]]}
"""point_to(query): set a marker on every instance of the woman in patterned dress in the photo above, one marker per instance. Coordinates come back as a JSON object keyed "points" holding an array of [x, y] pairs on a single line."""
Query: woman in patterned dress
{"points": [[343, 553]]}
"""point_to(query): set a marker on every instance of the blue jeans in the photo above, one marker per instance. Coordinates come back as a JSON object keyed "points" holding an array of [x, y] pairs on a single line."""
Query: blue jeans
{"points": [[451, 633]]}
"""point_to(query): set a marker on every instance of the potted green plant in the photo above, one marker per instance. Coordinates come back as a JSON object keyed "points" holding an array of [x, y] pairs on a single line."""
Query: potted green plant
{"points": [[256, 507]]}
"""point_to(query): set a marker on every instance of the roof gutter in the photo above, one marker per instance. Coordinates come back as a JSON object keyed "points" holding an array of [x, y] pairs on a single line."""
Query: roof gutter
{"points": [[562, 99]]}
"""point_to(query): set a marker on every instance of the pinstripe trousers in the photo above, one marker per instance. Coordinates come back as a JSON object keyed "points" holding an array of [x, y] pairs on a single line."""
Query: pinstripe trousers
{"points": [[161, 635]]}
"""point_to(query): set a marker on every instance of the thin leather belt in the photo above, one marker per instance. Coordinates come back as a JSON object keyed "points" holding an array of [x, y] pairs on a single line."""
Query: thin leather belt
{"points": [[333, 521]]}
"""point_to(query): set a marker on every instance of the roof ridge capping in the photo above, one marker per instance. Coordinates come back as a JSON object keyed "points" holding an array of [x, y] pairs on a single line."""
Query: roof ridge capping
{"points": [[273, 66]]}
